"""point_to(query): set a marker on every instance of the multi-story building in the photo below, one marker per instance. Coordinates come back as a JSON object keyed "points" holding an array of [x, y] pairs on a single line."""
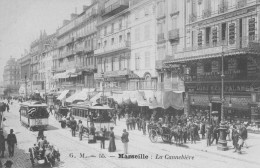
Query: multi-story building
{"points": [[75, 65], [46, 63], [11, 77], [37, 51], [25, 73], [228, 28], [170, 40], [143, 43], [113, 45]]}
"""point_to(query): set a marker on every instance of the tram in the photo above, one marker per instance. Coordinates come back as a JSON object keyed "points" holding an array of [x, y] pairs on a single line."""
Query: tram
{"points": [[100, 116], [34, 115]]}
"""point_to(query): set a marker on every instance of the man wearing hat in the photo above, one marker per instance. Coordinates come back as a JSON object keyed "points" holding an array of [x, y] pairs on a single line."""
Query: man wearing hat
{"points": [[2, 144], [125, 140], [11, 141]]}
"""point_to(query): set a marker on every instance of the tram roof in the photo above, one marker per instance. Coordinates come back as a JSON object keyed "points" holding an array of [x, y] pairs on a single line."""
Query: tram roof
{"points": [[33, 104]]}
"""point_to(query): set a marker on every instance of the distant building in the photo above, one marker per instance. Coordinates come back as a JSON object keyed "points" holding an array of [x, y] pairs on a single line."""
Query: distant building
{"points": [[37, 51], [74, 66], [25, 73], [11, 77]]}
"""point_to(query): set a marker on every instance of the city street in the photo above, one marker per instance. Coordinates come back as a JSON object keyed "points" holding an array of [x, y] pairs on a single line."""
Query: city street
{"points": [[159, 153]]}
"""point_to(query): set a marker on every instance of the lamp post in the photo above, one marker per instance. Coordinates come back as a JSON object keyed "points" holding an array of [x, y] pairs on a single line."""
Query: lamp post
{"points": [[25, 79], [222, 145], [103, 86]]}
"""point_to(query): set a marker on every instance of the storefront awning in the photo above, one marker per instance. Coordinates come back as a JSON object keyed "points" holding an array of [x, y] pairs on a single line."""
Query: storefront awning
{"points": [[63, 95], [167, 99], [82, 95]]}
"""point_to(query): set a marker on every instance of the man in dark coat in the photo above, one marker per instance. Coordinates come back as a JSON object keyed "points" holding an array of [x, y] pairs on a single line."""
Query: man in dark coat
{"points": [[243, 134], [209, 131], [11, 141], [2, 144], [144, 126], [215, 134], [125, 140], [73, 126], [193, 133]]}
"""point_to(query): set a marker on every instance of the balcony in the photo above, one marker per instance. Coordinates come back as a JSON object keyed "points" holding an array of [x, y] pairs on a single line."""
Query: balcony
{"points": [[222, 8], [79, 49], [89, 49], [192, 18], [113, 8], [67, 54], [206, 13], [70, 40], [160, 37], [134, 2], [113, 48], [241, 4], [111, 74], [174, 35]]}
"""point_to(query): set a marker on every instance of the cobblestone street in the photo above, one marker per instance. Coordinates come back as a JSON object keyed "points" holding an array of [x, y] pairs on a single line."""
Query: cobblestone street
{"points": [[71, 148]]}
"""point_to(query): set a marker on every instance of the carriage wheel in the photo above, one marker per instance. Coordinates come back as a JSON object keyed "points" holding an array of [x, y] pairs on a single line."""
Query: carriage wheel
{"points": [[153, 135], [167, 138]]}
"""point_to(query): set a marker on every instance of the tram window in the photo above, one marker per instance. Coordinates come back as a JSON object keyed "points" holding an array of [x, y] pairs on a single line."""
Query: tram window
{"points": [[86, 113]]}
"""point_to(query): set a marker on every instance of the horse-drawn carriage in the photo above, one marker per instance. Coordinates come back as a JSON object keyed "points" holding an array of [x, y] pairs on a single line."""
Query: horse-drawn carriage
{"points": [[155, 131], [46, 155], [166, 133]]}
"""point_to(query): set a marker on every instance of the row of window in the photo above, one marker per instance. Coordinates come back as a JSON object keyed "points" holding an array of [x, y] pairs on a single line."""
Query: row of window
{"points": [[225, 32]]}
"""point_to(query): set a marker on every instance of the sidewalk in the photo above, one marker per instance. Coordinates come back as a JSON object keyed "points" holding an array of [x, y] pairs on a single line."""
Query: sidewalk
{"points": [[250, 154]]}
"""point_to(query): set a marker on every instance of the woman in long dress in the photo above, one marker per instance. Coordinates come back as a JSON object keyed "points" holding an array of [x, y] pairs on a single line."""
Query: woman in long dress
{"points": [[112, 144]]}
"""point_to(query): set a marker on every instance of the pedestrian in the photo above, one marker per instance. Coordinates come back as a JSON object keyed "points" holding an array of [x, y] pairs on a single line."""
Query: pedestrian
{"points": [[131, 122], [114, 118], [215, 134], [2, 144], [128, 123], [125, 140], [8, 164], [243, 134], [202, 130], [138, 122], [73, 125], [234, 137], [144, 126], [7, 107], [40, 134], [185, 133], [80, 128], [102, 138], [11, 141], [209, 133], [112, 144], [134, 122], [193, 133], [92, 134]]}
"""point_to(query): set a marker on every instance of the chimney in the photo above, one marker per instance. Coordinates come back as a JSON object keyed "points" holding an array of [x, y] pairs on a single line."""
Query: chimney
{"points": [[73, 16], [65, 22], [85, 8]]}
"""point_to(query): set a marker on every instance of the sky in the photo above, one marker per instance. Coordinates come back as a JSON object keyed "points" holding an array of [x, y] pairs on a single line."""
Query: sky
{"points": [[21, 22]]}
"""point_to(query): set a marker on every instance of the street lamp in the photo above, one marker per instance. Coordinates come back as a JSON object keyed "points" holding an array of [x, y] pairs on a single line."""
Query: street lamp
{"points": [[103, 86], [222, 145], [25, 78]]}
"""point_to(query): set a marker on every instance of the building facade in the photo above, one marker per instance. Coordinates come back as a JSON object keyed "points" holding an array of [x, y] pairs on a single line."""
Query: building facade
{"points": [[11, 77], [37, 51], [25, 73], [75, 65], [46, 63], [143, 43], [113, 45], [216, 29]]}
